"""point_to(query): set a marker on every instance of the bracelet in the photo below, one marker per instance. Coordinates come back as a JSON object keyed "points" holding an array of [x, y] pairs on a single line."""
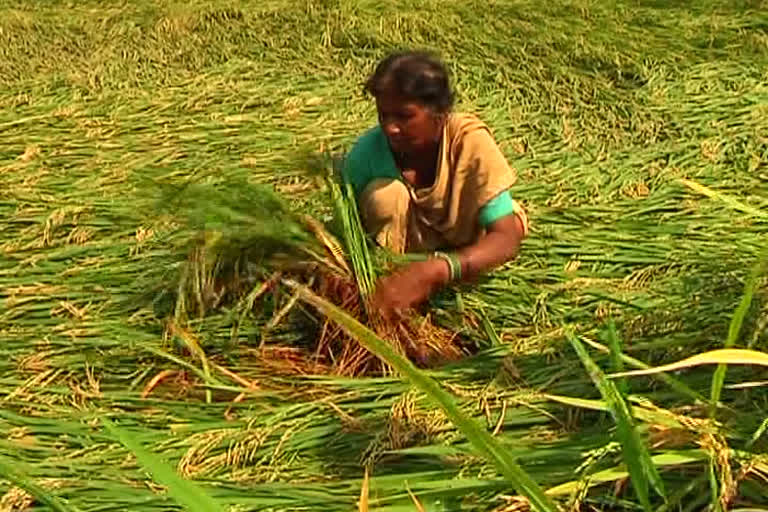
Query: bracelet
{"points": [[454, 264]]}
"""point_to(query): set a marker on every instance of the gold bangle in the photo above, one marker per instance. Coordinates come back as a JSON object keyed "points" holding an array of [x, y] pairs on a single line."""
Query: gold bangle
{"points": [[454, 264]]}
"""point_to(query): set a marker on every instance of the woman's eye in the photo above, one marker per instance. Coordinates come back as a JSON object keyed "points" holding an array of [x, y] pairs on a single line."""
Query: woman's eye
{"points": [[395, 117], [405, 116]]}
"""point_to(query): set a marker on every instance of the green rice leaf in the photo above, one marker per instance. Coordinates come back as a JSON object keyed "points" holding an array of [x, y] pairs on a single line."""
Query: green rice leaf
{"points": [[731, 202], [618, 364], [18, 479], [672, 382], [479, 437], [641, 469], [671, 458], [758, 433], [185, 493], [734, 329], [658, 416]]}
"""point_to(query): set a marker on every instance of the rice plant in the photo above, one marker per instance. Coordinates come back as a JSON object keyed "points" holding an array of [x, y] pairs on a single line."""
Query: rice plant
{"points": [[156, 198]]}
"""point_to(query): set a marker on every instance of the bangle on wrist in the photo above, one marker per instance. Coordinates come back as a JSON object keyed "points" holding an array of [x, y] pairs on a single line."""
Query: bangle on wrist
{"points": [[454, 264]]}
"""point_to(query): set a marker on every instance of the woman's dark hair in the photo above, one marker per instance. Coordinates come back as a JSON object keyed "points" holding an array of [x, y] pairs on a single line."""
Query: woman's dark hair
{"points": [[414, 75]]}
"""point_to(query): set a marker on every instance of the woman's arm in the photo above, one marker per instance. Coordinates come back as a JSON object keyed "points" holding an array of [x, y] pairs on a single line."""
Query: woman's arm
{"points": [[416, 282], [500, 244]]}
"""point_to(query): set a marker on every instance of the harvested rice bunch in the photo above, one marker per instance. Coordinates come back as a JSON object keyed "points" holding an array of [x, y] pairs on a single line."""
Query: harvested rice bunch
{"points": [[244, 241]]}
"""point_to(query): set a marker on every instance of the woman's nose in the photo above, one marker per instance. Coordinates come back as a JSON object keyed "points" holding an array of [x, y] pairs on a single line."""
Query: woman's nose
{"points": [[391, 129]]}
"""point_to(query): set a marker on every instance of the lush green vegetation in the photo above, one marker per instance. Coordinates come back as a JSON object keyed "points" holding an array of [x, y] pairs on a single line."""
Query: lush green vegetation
{"points": [[604, 108]]}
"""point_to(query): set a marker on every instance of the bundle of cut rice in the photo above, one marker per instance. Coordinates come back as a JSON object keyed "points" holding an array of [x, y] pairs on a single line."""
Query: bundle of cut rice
{"points": [[245, 241]]}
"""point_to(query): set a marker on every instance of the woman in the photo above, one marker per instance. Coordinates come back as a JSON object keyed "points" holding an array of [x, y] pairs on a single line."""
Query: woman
{"points": [[429, 180]]}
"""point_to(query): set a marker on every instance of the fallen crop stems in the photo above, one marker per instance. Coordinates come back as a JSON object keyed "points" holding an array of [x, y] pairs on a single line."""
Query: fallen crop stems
{"points": [[480, 439], [239, 248], [602, 111]]}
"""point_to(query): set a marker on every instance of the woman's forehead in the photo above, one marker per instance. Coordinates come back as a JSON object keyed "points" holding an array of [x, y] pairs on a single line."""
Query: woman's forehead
{"points": [[395, 101]]}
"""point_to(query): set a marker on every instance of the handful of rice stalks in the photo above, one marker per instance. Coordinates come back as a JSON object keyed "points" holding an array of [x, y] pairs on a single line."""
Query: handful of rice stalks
{"points": [[246, 241]]}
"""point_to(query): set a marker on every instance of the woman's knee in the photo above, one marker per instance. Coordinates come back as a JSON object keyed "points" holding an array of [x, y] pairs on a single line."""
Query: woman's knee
{"points": [[384, 200], [384, 210]]}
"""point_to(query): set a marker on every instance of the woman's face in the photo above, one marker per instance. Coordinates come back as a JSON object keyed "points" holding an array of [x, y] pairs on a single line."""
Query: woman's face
{"points": [[410, 127]]}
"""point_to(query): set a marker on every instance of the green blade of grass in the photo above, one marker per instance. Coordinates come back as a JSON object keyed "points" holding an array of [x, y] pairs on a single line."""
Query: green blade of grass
{"points": [[658, 417], [490, 331], [671, 458], [718, 379], [20, 480], [642, 471], [184, 492], [758, 433], [676, 499], [675, 384], [618, 364], [726, 199], [714, 486], [622, 387], [479, 437], [734, 329]]}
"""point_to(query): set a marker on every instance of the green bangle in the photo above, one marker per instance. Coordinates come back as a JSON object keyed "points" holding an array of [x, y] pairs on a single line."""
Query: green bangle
{"points": [[454, 264]]}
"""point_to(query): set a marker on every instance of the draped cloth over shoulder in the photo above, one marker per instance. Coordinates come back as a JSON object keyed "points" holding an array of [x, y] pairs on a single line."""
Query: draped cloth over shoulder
{"points": [[471, 172]]}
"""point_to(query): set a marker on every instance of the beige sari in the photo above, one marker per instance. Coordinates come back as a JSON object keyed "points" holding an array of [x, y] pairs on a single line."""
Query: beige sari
{"points": [[471, 171]]}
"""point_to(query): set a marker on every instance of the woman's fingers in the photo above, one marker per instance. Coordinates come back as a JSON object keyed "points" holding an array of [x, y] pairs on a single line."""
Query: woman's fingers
{"points": [[388, 303]]}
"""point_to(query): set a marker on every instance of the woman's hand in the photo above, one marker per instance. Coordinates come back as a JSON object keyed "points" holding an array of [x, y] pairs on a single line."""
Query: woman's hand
{"points": [[409, 287], [416, 282]]}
